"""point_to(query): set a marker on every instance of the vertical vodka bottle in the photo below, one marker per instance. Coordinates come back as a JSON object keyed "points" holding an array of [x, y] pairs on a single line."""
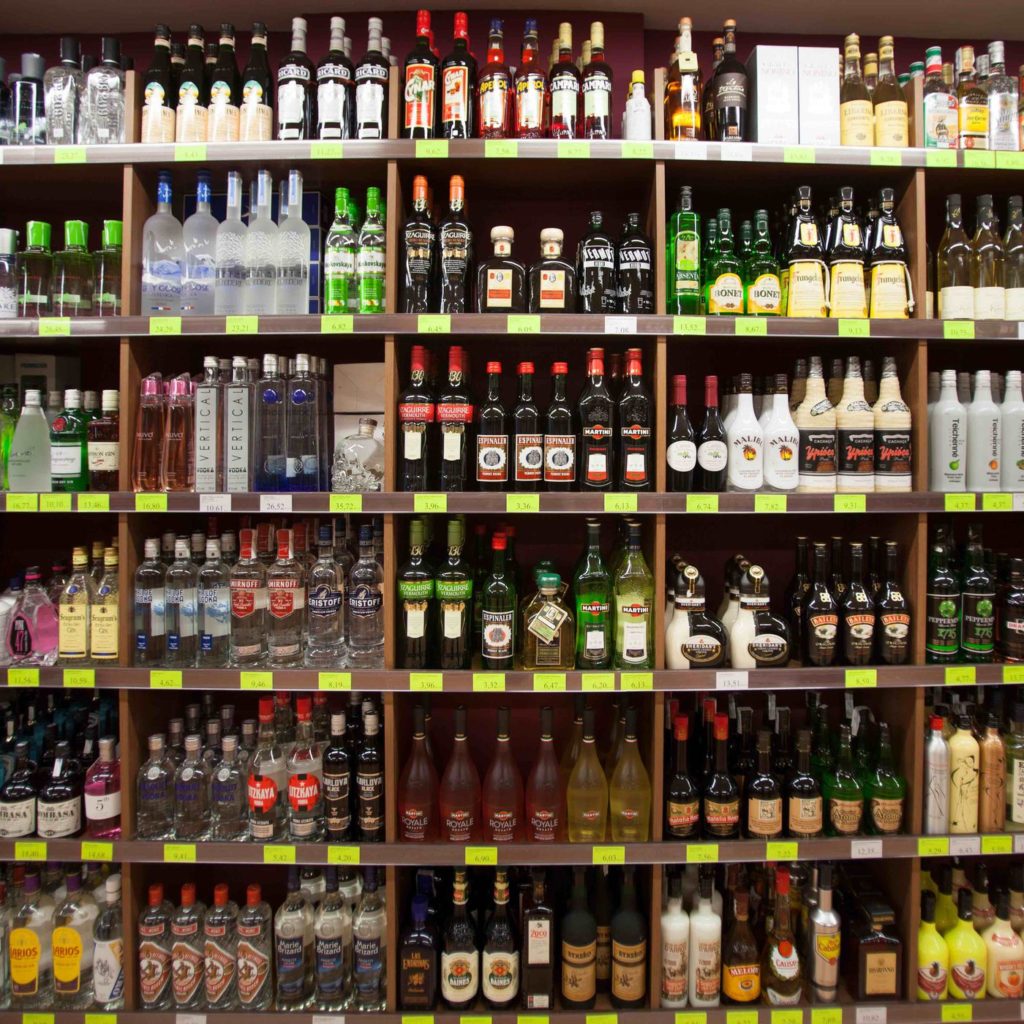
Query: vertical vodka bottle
{"points": [[220, 941], [229, 253], [286, 586], [236, 446], [369, 929], [248, 588], [61, 87], [191, 793], [154, 792], [261, 251], [293, 947], [325, 627], [255, 984], [149, 606], [332, 929], [269, 429], [102, 104], [180, 608], [163, 255], [214, 585], [293, 252], [305, 780], [108, 950], [199, 236], [302, 429], [365, 617]]}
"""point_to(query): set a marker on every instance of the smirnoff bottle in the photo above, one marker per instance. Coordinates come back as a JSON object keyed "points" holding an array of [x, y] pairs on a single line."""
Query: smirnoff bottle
{"points": [[268, 781], [248, 585], [286, 585]]}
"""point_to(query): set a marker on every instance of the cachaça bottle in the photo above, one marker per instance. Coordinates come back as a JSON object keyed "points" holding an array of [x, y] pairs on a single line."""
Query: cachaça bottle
{"points": [[453, 586], [459, 798], [415, 586], [720, 805], [587, 790], [841, 789], [545, 802], [803, 792], [460, 958], [629, 790], [885, 790], [596, 413], [502, 797], [579, 949], [629, 948], [782, 973], [417, 788], [741, 965]]}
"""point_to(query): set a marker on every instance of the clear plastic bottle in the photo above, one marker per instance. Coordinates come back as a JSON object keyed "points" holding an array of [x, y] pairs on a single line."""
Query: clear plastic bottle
{"points": [[199, 238], [293, 252], [28, 464], [163, 255]]}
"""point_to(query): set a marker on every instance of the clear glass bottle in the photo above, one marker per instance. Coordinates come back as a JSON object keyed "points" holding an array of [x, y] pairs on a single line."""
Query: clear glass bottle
{"points": [[294, 948], [365, 612], [332, 947], [31, 928], [254, 952], [191, 793], [292, 292], [163, 255], [259, 295], [62, 85], [369, 929], [28, 454], [181, 608], [154, 793], [102, 102], [358, 465], [154, 946], [228, 807], [74, 609], [108, 951], [220, 947], [199, 238]]}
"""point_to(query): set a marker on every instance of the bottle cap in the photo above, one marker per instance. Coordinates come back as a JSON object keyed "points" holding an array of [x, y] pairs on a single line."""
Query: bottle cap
{"points": [[524, 368], [502, 231], [70, 51], [32, 66], [548, 581], [156, 895], [494, 367], [559, 368], [550, 236], [220, 895], [113, 234], [8, 241], [110, 47], [37, 235]]}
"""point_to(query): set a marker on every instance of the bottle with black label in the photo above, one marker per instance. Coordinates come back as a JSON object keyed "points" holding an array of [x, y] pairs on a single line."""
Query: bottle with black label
{"points": [[977, 632], [296, 91], [757, 639], [856, 425], [559, 435], [892, 611], [682, 449], [636, 420], [528, 452], [597, 427], [820, 615], [595, 269], [1010, 620], [419, 253], [635, 269], [797, 593], [858, 613], [942, 628], [815, 419], [420, 75], [492, 436], [693, 637], [455, 249], [731, 88]]}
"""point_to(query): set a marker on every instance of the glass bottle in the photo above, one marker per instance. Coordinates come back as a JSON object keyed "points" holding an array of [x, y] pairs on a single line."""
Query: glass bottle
{"points": [[34, 268], [365, 612], [842, 792], [564, 84], [587, 790], [369, 929], [730, 89], [62, 86], [102, 793], [102, 98], [629, 948], [501, 280], [420, 76], [495, 93], [499, 966], [856, 117], [296, 89], [633, 596], [108, 950], [596, 412], [502, 793], [417, 788], [293, 948], [460, 957], [683, 257], [629, 789], [988, 269], [552, 279], [683, 89], [419, 254], [763, 796], [498, 611], [548, 629], [888, 101], [371, 85], [459, 794], [720, 806], [455, 252], [458, 85]]}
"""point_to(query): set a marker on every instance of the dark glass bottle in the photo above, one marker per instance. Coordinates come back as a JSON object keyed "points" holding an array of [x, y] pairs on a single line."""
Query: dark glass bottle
{"points": [[191, 100], [455, 416], [59, 801], [597, 88], [528, 441], [538, 968], [371, 79], [495, 95], [783, 762], [820, 616], [296, 89], [225, 88], [843, 792], [370, 783], [978, 587], [417, 961], [942, 628], [499, 970], [742, 760], [559, 435], [717, 53], [498, 611], [797, 593], [597, 427], [18, 796], [455, 247], [419, 253], [565, 88], [159, 91], [858, 613], [458, 85], [337, 776], [1010, 615], [416, 413], [257, 102], [531, 89], [732, 89], [682, 448], [552, 279], [837, 582], [416, 600], [501, 280], [579, 949], [682, 801], [636, 420], [712, 449], [629, 948], [763, 794], [803, 794], [635, 269], [720, 805], [335, 89], [595, 269], [741, 965], [420, 75], [492, 436], [460, 956], [453, 585]]}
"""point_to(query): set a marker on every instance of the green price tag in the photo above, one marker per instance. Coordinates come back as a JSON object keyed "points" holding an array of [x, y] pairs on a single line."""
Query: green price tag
{"points": [[334, 680], [957, 1012], [241, 325], [523, 323], [55, 327], [702, 503], [22, 502], [430, 502], [549, 682], [256, 680], [781, 851], [488, 682], [860, 678], [79, 678], [501, 149], [940, 158], [770, 503], [426, 682], [633, 681], [332, 150], [689, 325], [638, 150], [346, 503], [37, 1018], [1013, 673], [597, 682], [958, 330], [522, 502], [933, 846], [54, 502], [798, 155], [959, 502], [414, 1018], [190, 151], [278, 854], [618, 502], [961, 675], [336, 323], [787, 1017], [751, 327], [741, 1017], [602, 1018], [164, 679], [94, 503], [92, 850], [884, 158], [854, 328], [996, 844], [997, 502], [826, 1015], [165, 325], [23, 677], [481, 856], [850, 503], [30, 850], [343, 854], [608, 855], [179, 853], [434, 323], [150, 502], [431, 149], [100, 1018], [69, 155], [574, 150], [702, 853], [979, 160], [1010, 161], [692, 1017]]}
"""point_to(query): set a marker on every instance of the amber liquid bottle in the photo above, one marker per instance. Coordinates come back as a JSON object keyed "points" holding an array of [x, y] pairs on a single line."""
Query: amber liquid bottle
{"points": [[503, 789], [741, 965]]}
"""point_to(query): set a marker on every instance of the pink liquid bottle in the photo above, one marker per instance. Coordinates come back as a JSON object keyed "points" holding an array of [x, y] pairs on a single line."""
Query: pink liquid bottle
{"points": [[177, 464], [149, 435], [103, 794]]}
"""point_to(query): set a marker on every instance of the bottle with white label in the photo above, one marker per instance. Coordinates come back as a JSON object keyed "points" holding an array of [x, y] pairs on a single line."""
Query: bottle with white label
{"points": [[1005, 970], [1011, 418], [781, 441], [693, 637], [856, 433], [984, 432], [705, 952], [947, 439], [745, 441], [757, 639], [681, 453], [675, 941], [893, 437], [988, 271], [815, 419], [108, 952]]}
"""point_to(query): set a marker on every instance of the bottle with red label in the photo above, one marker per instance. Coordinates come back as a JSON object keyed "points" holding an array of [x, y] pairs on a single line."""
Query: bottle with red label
{"points": [[455, 415], [552, 277], [528, 441], [495, 95], [559, 435], [420, 76], [268, 781], [492, 436], [565, 88], [503, 789], [636, 416], [597, 89], [459, 796], [417, 788], [416, 413], [458, 85], [596, 410], [531, 87], [286, 587]]}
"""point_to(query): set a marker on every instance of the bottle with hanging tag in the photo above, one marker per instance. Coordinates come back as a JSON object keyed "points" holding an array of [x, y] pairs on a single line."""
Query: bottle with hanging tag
{"points": [[847, 294], [892, 295], [808, 281]]}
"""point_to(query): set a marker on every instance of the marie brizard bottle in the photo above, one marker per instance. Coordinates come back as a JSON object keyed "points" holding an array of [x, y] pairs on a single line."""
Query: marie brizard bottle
{"points": [[720, 805], [857, 609], [552, 279], [455, 253], [763, 797], [492, 436], [804, 799], [596, 409]]}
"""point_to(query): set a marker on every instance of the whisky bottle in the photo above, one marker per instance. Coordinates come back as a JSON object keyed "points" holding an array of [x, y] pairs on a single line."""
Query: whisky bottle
{"points": [[856, 117], [890, 106]]}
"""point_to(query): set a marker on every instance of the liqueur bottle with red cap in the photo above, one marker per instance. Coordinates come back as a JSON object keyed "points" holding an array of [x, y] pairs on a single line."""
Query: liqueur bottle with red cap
{"points": [[416, 412], [458, 85], [635, 423], [455, 414], [495, 95], [420, 80], [559, 435], [596, 410], [531, 87], [492, 436]]}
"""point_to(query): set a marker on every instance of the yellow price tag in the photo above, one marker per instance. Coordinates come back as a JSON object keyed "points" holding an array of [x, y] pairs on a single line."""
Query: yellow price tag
{"points": [[417, 1018], [100, 1018], [241, 325], [959, 502], [343, 855], [501, 149], [336, 323], [958, 330], [860, 678], [94, 503], [957, 1012], [979, 160], [573, 150], [787, 1017], [164, 679], [638, 150], [995, 845], [488, 682], [23, 677], [617, 502], [960, 675], [549, 682], [278, 854], [426, 682], [702, 503], [522, 502], [996, 502], [633, 681], [608, 855], [602, 1018], [22, 502], [826, 1015], [850, 503], [37, 1018], [702, 853], [689, 325], [597, 682], [481, 856], [189, 151], [69, 155], [692, 1017], [751, 327], [532, 1018], [256, 680], [475, 1019], [798, 155], [79, 678], [431, 149], [92, 850], [150, 502], [54, 327], [434, 323], [430, 502], [179, 853], [54, 502], [1010, 161], [940, 158], [883, 158], [523, 323], [741, 1017], [330, 150], [770, 503], [346, 503], [334, 681], [1013, 673], [782, 851], [165, 325], [30, 850], [854, 328], [933, 846]]}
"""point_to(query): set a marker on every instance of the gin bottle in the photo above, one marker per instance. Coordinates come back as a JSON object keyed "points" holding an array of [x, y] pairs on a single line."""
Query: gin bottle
{"points": [[305, 780], [73, 922], [269, 462], [228, 811], [191, 793], [229, 252], [293, 252], [108, 951], [149, 606], [73, 612], [214, 585], [180, 608], [199, 237], [28, 453], [325, 628], [293, 948], [102, 793], [261, 251], [154, 793], [31, 636], [365, 618], [369, 930], [61, 88], [102, 106], [32, 928], [286, 585], [253, 958], [332, 930], [248, 588], [69, 469], [187, 953], [163, 254], [268, 781]]}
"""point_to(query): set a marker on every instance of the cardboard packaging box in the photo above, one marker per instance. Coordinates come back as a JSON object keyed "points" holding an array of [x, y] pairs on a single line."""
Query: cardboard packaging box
{"points": [[45, 373], [773, 104], [819, 95]]}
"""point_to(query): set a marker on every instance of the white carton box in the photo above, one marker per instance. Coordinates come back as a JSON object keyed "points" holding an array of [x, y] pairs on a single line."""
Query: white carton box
{"points": [[359, 387], [773, 104], [819, 95], [45, 373]]}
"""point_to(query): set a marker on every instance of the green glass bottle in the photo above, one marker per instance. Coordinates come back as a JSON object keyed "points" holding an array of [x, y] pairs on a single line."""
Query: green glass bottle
{"points": [[341, 294], [822, 759], [683, 262], [844, 797], [108, 270], [977, 606], [709, 255], [762, 286], [416, 597], [370, 256], [942, 626], [498, 611], [885, 790], [634, 607], [453, 585], [723, 294], [69, 467], [592, 588]]}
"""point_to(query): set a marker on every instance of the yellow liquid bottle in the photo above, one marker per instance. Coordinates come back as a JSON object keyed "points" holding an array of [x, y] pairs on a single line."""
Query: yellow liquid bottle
{"points": [[587, 791], [967, 954], [630, 790], [932, 954]]}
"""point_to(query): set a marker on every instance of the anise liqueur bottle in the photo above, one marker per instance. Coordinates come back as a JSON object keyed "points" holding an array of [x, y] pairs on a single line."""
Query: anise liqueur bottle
{"points": [[763, 794], [296, 89]]}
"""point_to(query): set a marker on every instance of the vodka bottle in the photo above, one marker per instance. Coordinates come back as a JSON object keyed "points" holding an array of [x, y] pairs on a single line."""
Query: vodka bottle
{"points": [[180, 608], [370, 257], [191, 794], [293, 252], [305, 780], [154, 793], [108, 952], [32, 930], [293, 947], [269, 462], [984, 439], [61, 88], [332, 929], [187, 952], [199, 236], [163, 255], [220, 949], [261, 252], [28, 461], [369, 953], [150, 580], [214, 585], [229, 253], [341, 294], [286, 586], [102, 103], [228, 812], [253, 960], [302, 462], [268, 781], [248, 587], [325, 626], [365, 614], [73, 946]]}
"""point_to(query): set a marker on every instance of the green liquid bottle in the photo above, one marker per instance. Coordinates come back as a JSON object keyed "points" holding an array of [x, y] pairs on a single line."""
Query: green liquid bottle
{"points": [[370, 256], [683, 263], [762, 286], [942, 628], [723, 286], [844, 798], [885, 790], [341, 294], [634, 608]]}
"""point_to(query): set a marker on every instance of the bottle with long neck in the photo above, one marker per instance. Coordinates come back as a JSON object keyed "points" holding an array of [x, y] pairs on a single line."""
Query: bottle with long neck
{"points": [[565, 88], [893, 436], [890, 105], [807, 280], [745, 441], [545, 804], [988, 264], [502, 796], [459, 794], [856, 118], [953, 260], [579, 949], [705, 969], [495, 94], [587, 790], [816, 421]]}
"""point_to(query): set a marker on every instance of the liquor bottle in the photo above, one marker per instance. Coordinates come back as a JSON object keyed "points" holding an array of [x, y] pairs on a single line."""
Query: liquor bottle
{"points": [[565, 88], [984, 436], [720, 804], [419, 253], [596, 410], [890, 292], [155, 990], [495, 93], [932, 954], [763, 794], [108, 950], [782, 972], [492, 436], [803, 790], [723, 283], [371, 87], [370, 256], [977, 617], [369, 783], [857, 612], [596, 87], [705, 968], [816, 420], [843, 793], [225, 93], [416, 594], [501, 280], [416, 409], [417, 788], [292, 286], [683, 263], [592, 586], [1005, 950], [421, 73], [454, 589], [74, 272], [682, 451], [369, 929], [629, 790], [455, 414], [458, 85], [731, 88], [953, 266], [552, 279], [820, 615], [992, 778], [498, 602], [499, 967], [256, 113], [595, 268], [888, 102], [635, 427], [455, 253], [745, 441], [856, 116], [587, 790], [460, 958], [741, 966], [502, 794], [559, 435], [885, 790], [967, 954], [296, 89], [417, 961], [335, 89], [163, 256], [683, 89], [579, 948], [191, 115], [988, 259], [635, 261], [107, 297], [633, 598], [293, 947], [530, 84], [1013, 246], [528, 440], [102, 106], [545, 804], [712, 450], [845, 253]]}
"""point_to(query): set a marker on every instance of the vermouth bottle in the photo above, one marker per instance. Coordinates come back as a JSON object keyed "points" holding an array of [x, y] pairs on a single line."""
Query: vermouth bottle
{"points": [[528, 440], [596, 411], [455, 414], [635, 427], [296, 89], [592, 587], [416, 414], [455, 253], [492, 436], [416, 596]]}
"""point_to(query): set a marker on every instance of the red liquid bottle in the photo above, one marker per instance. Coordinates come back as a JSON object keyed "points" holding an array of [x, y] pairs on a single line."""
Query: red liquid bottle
{"points": [[417, 788], [545, 794], [459, 799], [495, 93], [503, 790]]}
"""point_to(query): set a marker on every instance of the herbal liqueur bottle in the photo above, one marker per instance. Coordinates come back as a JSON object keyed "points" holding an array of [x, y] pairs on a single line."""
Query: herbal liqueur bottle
{"points": [[723, 287], [844, 797], [683, 263], [763, 797], [885, 789], [458, 85], [578, 949], [629, 948], [888, 101], [856, 118]]}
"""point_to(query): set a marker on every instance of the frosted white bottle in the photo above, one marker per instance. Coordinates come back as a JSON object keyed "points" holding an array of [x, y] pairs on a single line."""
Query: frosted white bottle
{"points": [[984, 437], [781, 442], [28, 465], [947, 439], [260, 292], [705, 968], [745, 442], [893, 436], [936, 780], [293, 253], [1011, 414], [934, 384], [199, 235], [230, 253], [675, 942]]}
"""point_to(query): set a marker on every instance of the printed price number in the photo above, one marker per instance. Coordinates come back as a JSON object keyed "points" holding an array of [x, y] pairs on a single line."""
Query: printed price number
{"points": [[608, 855], [99, 1018], [574, 150], [340, 503], [31, 850], [37, 1018], [751, 327], [523, 323], [732, 680], [214, 504], [602, 1018], [434, 323], [885, 157], [69, 155], [522, 502], [960, 675], [150, 502], [871, 1015], [850, 503], [964, 846], [256, 680], [702, 503], [826, 1015], [23, 677], [860, 678], [620, 325], [636, 681], [770, 503], [92, 850], [55, 327], [334, 681], [329, 150], [430, 503], [782, 851], [343, 855], [741, 1017], [702, 853], [488, 682], [79, 678], [431, 149], [940, 158], [981, 160], [958, 330], [93, 502], [597, 682], [500, 149], [549, 682], [959, 502], [1013, 673], [996, 845], [164, 325], [864, 849], [189, 151], [241, 324], [854, 328], [164, 679], [933, 846], [787, 1017], [275, 503], [426, 682], [179, 853], [22, 503], [996, 502], [336, 323], [618, 502], [54, 502], [957, 1012], [1010, 161], [278, 854], [638, 150], [689, 325], [798, 155], [692, 1017], [481, 856]]}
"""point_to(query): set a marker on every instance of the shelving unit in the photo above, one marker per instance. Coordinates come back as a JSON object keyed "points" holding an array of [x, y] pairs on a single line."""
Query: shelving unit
{"points": [[650, 173]]}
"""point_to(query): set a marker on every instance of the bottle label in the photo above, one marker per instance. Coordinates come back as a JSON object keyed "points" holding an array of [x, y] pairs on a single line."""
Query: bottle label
{"points": [[493, 92], [565, 99], [942, 632], [187, 966], [337, 817], [708, 968], [887, 815], [1003, 131], [682, 456], [499, 288], [420, 80], [764, 817], [978, 623], [1014, 303], [223, 117], [460, 976], [455, 95], [822, 637], [596, 440], [256, 117], [154, 970], [713, 456], [102, 456], [370, 789], [62, 818], [674, 969], [26, 958], [501, 826], [956, 302], [682, 818], [721, 819], [889, 299], [817, 453], [102, 807], [157, 115], [633, 620], [417, 971], [746, 467], [604, 952], [741, 983], [304, 796], [328, 955], [332, 100], [559, 458], [552, 289], [781, 468], [108, 971], [891, 126], [1007, 973], [459, 824], [17, 818], [597, 98], [940, 120], [893, 448], [529, 457], [530, 89], [704, 650], [764, 295], [286, 597], [1015, 798], [68, 962], [857, 455], [687, 262], [497, 634], [247, 597], [785, 964], [499, 974], [973, 124], [725, 296], [846, 289], [629, 971], [579, 974], [845, 815], [253, 969], [931, 980], [989, 304], [966, 979], [636, 440], [856, 123], [859, 634], [805, 815], [289, 954], [806, 295]]}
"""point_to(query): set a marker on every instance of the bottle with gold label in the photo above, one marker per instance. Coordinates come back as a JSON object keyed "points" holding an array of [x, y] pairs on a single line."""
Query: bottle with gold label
{"points": [[762, 285], [741, 965], [972, 101], [892, 126], [683, 89], [763, 794], [845, 254], [964, 755], [953, 265], [723, 294], [932, 954], [856, 115], [807, 294], [629, 949], [892, 294], [885, 789], [29, 946], [72, 946], [73, 611], [104, 630], [781, 970], [1005, 967]]}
